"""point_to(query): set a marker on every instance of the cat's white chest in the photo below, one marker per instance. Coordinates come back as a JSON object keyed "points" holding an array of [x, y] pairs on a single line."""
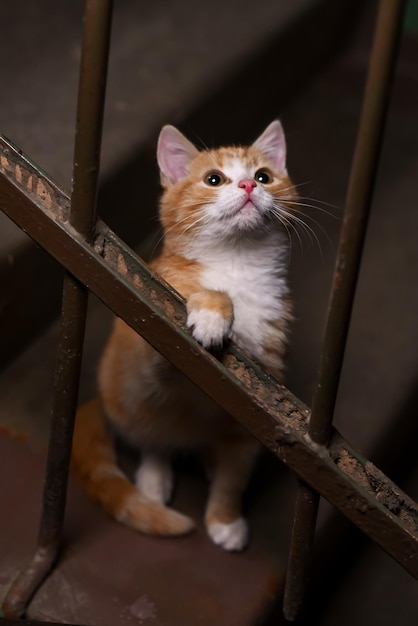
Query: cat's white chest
{"points": [[256, 284]]}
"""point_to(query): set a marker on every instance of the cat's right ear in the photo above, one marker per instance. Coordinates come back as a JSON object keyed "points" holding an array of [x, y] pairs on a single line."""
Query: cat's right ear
{"points": [[174, 153]]}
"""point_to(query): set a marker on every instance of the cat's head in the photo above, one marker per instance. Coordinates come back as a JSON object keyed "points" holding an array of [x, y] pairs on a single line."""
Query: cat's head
{"points": [[223, 193]]}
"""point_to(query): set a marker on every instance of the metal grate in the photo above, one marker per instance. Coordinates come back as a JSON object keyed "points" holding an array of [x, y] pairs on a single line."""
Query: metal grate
{"points": [[96, 260]]}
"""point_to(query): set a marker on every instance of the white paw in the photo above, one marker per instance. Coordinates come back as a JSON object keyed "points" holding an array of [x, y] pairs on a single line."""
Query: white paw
{"points": [[154, 479], [209, 327], [232, 536]]}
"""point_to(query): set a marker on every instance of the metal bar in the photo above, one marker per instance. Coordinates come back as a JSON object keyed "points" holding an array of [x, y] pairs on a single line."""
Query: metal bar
{"points": [[353, 232], [59, 451], [300, 551], [82, 217], [268, 410], [359, 197], [91, 98]]}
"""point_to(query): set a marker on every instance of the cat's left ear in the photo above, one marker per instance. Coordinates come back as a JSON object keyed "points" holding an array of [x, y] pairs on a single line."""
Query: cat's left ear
{"points": [[272, 144], [174, 153]]}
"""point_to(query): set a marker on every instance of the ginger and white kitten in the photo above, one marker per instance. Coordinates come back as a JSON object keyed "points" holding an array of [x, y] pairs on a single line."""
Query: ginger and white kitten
{"points": [[225, 251]]}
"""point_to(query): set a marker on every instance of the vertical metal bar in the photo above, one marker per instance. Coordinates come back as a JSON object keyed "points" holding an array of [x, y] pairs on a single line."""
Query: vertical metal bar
{"points": [[91, 98], [359, 196], [92, 83]]}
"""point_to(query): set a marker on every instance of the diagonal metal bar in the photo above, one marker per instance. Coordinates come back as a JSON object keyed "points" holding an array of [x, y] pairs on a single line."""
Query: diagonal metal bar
{"points": [[359, 195], [82, 216], [267, 409]]}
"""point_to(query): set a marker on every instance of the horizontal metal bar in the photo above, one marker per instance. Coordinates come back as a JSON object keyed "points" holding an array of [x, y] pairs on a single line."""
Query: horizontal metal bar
{"points": [[267, 409]]}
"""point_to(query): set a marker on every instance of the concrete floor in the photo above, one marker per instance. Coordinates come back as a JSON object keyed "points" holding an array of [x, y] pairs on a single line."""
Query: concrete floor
{"points": [[377, 399]]}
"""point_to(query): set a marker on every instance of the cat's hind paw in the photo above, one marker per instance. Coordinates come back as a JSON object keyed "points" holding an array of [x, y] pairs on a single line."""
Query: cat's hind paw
{"points": [[232, 537], [154, 479]]}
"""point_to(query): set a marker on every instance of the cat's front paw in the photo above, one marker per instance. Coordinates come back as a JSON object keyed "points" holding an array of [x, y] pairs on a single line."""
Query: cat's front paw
{"points": [[208, 327], [210, 315], [232, 536]]}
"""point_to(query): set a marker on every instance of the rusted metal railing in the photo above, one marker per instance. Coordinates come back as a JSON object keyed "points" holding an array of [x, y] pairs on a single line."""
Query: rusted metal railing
{"points": [[267, 409], [95, 259]]}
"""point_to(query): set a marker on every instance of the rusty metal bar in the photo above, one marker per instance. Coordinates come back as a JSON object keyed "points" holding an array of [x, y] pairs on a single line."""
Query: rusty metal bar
{"points": [[54, 494], [359, 196], [353, 232], [300, 551], [91, 99], [268, 410], [82, 217]]}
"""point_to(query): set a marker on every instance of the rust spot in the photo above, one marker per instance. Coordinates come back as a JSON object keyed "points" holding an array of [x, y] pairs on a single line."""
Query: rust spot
{"points": [[109, 253], [138, 282], [4, 162], [350, 465], [384, 492], [18, 171], [44, 194], [169, 308], [122, 267]]}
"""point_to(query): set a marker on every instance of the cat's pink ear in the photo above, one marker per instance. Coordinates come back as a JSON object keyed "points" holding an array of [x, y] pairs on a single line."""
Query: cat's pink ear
{"points": [[174, 153], [272, 144]]}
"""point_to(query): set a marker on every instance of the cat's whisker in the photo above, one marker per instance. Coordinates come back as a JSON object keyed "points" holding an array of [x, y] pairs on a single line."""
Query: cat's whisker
{"points": [[285, 220], [313, 237], [296, 186], [324, 202], [310, 206], [168, 231], [298, 220], [309, 198], [193, 224], [200, 141], [287, 227], [295, 205], [297, 223], [157, 243], [318, 225], [290, 188]]}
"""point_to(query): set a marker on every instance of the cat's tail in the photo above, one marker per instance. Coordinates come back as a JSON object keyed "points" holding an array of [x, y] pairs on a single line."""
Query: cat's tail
{"points": [[94, 461]]}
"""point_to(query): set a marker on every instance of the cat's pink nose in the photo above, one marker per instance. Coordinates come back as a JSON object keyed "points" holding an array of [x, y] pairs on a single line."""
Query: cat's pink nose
{"points": [[247, 184]]}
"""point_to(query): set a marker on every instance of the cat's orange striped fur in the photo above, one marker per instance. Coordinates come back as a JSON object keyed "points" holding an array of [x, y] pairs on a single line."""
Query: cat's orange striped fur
{"points": [[223, 213]]}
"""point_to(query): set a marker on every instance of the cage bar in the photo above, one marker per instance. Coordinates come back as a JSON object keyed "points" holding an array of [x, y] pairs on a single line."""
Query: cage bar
{"points": [[352, 237], [82, 216]]}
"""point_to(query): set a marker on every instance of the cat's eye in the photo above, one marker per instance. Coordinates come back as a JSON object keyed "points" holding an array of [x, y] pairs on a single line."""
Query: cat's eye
{"points": [[263, 176], [214, 179]]}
